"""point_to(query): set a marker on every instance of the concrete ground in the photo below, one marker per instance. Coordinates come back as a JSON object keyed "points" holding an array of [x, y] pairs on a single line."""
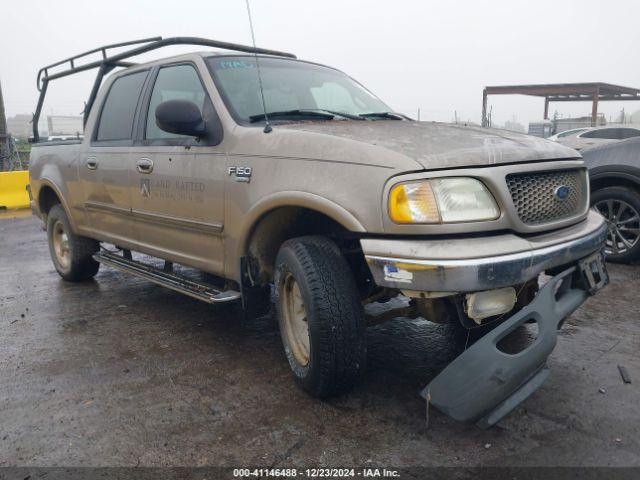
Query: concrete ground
{"points": [[118, 371]]}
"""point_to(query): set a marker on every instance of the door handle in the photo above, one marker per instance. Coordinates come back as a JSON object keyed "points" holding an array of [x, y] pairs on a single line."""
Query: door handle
{"points": [[92, 163], [144, 165]]}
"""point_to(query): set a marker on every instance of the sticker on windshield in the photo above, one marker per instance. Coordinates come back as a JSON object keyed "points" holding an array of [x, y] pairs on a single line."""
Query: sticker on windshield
{"points": [[227, 64]]}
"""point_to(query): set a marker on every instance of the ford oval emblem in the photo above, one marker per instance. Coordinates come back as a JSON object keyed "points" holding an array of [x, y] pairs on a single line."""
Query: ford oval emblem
{"points": [[562, 192]]}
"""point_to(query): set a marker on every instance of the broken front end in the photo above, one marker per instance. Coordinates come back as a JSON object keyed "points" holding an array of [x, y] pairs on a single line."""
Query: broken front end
{"points": [[501, 281]]}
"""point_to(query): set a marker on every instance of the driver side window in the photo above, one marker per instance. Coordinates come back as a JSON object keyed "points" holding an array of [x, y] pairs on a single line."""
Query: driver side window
{"points": [[178, 82]]}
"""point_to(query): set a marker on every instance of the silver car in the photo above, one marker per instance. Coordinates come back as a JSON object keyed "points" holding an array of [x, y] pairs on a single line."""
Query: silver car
{"points": [[592, 137]]}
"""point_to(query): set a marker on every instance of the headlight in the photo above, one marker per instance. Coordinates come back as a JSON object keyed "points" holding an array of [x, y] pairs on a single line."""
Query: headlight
{"points": [[442, 200]]}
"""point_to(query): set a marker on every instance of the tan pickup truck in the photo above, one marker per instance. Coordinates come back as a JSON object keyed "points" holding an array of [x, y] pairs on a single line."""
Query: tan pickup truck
{"points": [[289, 182]]}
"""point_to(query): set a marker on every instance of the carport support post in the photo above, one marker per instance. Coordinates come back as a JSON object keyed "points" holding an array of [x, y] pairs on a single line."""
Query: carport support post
{"points": [[594, 107], [484, 107], [546, 108]]}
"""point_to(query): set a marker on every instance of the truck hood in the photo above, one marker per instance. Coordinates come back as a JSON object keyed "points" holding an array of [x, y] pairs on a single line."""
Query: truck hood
{"points": [[439, 145]]}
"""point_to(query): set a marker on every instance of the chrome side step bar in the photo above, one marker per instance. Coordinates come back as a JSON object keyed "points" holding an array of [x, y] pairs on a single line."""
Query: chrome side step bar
{"points": [[198, 290]]}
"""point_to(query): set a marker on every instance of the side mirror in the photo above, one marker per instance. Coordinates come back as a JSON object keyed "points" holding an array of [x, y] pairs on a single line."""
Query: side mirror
{"points": [[181, 117]]}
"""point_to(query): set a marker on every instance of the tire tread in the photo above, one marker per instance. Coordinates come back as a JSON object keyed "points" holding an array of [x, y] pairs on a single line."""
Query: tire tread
{"points": [[82, 266], [338, 314]]}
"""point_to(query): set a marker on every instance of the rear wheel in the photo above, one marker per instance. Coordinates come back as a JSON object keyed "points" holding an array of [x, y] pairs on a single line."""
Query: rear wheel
{"points": [[72, 254], [320, 315], [620, 207]]}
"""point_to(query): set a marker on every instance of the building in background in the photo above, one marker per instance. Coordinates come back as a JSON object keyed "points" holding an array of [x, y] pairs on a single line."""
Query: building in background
{"points": [[514, 125], [20, 126], [64, 125], [562, 124], [542, 129]]}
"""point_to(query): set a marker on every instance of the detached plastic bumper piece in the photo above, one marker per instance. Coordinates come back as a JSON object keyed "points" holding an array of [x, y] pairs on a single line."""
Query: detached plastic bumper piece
{"points": [[484, 384]]}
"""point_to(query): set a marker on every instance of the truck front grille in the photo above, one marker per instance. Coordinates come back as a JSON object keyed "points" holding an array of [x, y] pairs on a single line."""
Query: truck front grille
{"points": [[537, 196]]}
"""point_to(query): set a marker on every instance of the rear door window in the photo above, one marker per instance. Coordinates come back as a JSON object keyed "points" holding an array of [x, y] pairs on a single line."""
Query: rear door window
{"points": [[119, 108]]}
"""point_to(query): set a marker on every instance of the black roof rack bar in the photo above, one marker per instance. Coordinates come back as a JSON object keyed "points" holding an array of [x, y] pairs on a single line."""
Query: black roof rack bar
{"points": [[103, 50], [108, 63]]}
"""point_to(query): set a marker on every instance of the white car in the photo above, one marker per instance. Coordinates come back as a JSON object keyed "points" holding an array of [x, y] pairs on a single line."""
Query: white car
{"points": [[595, 136], [55, 138], [567, 133]]}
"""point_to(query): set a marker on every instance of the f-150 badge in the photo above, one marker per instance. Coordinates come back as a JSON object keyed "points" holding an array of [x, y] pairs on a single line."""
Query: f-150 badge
{"points": [[242, 174]]}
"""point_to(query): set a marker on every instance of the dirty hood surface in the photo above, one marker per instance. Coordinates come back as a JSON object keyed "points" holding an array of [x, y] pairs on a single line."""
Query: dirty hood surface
{"points": [[440, 145]]}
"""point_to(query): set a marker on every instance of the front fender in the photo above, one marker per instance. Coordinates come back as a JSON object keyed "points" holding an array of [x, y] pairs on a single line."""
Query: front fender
{"points": [[296, 199]]}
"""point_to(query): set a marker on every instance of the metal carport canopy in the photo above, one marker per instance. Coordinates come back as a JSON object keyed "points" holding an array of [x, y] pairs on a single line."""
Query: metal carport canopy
{"points": [[564, 92]]}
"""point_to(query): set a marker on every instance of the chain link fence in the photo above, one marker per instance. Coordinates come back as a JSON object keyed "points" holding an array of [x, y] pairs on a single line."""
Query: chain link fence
{"points": [[12, 158]]}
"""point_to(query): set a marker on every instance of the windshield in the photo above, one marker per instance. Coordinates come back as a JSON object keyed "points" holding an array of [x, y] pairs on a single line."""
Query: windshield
{"points": [[288, 85]]}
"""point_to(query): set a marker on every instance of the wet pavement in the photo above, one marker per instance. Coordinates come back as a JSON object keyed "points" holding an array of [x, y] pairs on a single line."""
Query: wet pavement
{"points": [[120, 372]]}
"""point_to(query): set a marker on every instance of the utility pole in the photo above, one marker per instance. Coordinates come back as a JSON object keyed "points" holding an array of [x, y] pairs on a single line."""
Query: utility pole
{"points": [[4, 144]]}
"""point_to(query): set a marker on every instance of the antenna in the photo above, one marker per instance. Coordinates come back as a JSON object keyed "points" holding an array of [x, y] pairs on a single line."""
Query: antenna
{"points": [[267, 125]]}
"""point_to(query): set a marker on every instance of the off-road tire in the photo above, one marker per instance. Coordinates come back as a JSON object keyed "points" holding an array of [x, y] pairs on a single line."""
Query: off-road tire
{"points": [[335, 316], [81, 265], [630, 197]]}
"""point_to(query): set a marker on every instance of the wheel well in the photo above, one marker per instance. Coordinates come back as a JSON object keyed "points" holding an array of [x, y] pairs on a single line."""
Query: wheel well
{"points": [[283, 223], [600, 183], [47, 198]]}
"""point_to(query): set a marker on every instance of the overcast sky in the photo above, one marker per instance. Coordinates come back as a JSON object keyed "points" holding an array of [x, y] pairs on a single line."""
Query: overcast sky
{"points": [[432, 55]]}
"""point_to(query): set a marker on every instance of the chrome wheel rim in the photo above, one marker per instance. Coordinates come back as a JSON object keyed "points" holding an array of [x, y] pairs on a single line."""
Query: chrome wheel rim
{"points": [[623, 222], [61, 245], [294, 319]]}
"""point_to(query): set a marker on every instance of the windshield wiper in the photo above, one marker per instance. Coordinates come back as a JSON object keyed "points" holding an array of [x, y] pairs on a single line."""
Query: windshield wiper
{"points": [[350, 116], [292, 113], [389, 115], [304, 112]]}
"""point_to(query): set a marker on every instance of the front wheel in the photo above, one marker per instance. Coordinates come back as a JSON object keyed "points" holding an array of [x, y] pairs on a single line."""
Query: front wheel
{"points": [[620, 207], [320, 315], [72, 254]]}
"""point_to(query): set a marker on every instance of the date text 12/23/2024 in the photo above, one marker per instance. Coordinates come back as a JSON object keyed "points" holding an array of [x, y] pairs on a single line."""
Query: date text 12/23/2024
{"points": [[315, 473]]}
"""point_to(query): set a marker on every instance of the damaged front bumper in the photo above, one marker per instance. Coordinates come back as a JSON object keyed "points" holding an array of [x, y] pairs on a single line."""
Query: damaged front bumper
{"points": [[483, 384], [479, 263]]}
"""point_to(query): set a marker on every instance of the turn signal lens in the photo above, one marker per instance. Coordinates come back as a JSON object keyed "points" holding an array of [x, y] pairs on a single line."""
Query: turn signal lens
{"points": [[442, 200], [413, 203]]}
